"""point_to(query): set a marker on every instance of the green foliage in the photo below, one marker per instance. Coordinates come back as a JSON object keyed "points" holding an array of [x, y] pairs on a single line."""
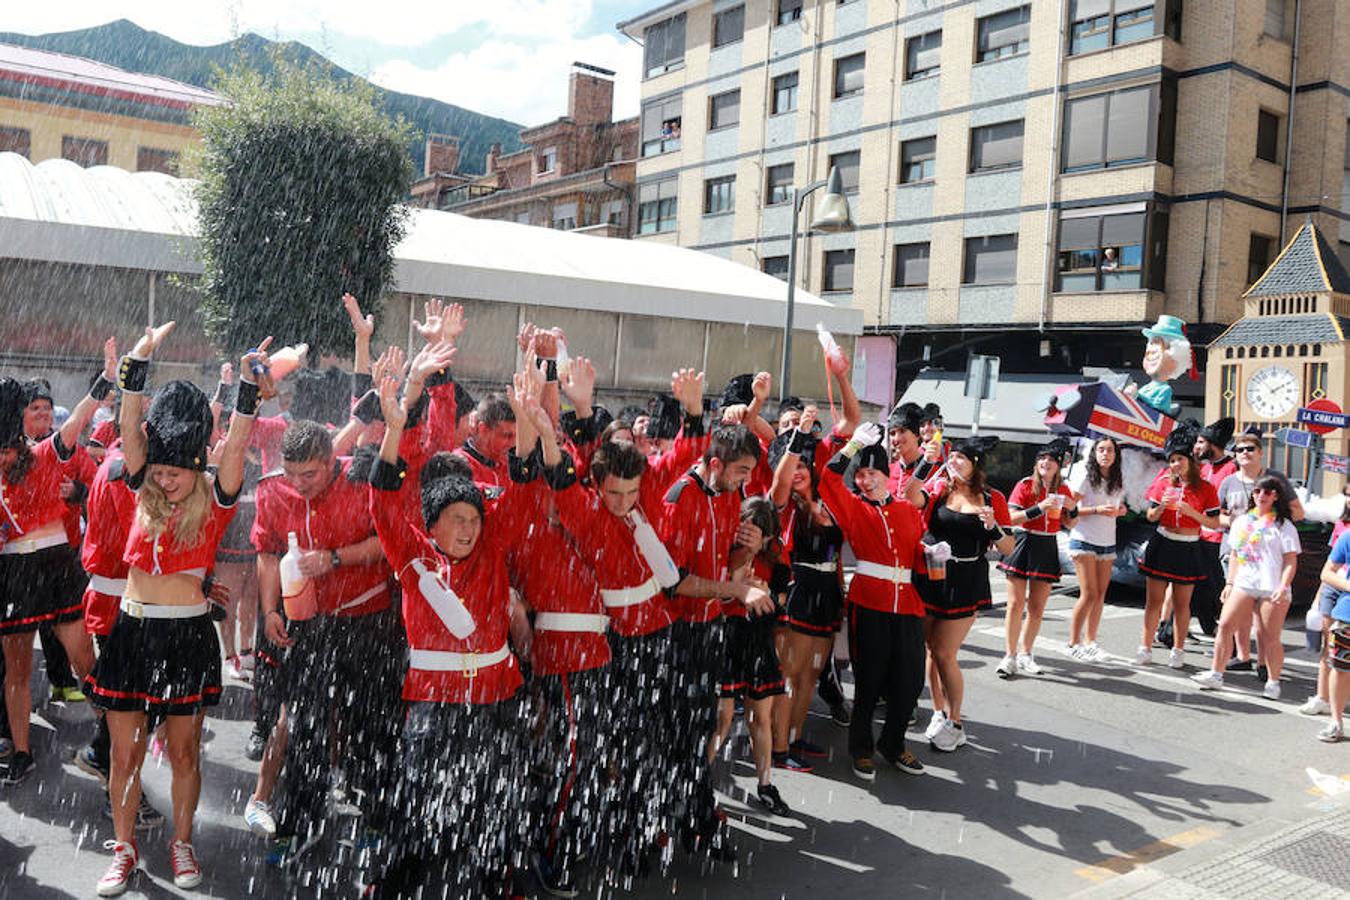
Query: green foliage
{"points": [[299, 202]]}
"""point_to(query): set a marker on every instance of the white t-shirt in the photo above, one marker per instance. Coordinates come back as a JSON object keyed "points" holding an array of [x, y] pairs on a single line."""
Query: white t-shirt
{"points": [[1260, 552], [1093, 529]]}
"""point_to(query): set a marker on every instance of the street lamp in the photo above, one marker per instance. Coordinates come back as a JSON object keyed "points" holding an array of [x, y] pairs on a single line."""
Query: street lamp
{"points": [[832, 217]]}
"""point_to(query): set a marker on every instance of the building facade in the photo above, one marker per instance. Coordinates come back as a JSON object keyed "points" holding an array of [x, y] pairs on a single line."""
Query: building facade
{"points": [[54, 106], [1032, 179], [574, 173]]}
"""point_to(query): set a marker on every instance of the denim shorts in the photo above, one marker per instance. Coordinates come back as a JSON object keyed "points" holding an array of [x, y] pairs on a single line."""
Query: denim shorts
{"points": [[1083, 548], [1326, 600]]}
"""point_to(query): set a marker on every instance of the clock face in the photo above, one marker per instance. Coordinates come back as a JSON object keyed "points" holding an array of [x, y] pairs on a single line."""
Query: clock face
{"points": [[1273, 392]]}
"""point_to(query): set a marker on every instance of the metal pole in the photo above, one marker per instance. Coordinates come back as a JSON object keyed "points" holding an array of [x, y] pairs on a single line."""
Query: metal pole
{"points": [[785, 378], [975, 419]]}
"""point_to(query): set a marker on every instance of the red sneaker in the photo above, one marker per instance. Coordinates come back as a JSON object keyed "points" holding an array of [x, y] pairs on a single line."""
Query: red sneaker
{"points": [[186, 872], [124, 862]]}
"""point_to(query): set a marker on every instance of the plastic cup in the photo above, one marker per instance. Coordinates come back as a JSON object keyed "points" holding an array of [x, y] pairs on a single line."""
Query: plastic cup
{"points": [[937, 569]]}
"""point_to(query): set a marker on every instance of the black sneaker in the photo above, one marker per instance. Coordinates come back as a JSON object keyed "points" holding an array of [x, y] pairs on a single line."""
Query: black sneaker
{"points": [[1240, 665], [554, 883], [257, 744], [1262, 674], [841, 714], [87, 761], [906, 762], [770, 799], [787, 760], [147, 817], [864, 768], [20, 767]]}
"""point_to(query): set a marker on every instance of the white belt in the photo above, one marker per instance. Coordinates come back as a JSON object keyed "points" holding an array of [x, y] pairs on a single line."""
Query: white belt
{"points": [[113, 587], [139, 610], [33, 545], [357, 601], [1177, 536], [597, 623], [819, 567], [965, 559], [449, 661], [893, 574], [630, 596]]}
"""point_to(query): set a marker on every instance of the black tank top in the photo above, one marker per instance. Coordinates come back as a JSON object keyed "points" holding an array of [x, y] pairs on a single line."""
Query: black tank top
{"points": [[963, 531], [812, 542]]}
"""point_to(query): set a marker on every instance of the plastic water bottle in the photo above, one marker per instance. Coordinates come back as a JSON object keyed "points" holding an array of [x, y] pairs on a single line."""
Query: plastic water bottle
{"points": [[297, 591], [829, 347], [654, 552], [443, 602]]}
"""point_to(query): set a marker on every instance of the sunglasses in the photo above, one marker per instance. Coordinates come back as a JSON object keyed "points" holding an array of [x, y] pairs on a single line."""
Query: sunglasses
{"points": [[1264, 491], [1247, 449]]}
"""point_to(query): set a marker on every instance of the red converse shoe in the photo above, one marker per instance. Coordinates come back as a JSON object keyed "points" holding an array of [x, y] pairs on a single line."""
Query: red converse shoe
{"points": [[186, 872], [124, 862]]}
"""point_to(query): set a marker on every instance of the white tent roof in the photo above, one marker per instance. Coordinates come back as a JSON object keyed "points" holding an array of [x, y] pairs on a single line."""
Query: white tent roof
{"points": [[59, 212]]}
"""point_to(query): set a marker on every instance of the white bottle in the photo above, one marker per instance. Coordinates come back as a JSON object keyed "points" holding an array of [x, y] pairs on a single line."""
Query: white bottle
{"points": [[297, 591], [653, 551], [448, 608]]}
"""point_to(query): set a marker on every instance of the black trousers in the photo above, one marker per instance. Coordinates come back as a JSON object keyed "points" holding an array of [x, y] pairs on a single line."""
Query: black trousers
{"points": [[1205, 604], [342, 678], [888, 661], [699, 654]]}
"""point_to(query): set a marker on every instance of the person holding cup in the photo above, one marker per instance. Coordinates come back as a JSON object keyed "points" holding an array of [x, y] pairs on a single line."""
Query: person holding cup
{"points": [[1099, 491]]}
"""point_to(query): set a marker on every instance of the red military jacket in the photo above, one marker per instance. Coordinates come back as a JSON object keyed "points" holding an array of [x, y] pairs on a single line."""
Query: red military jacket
{"points": [[1215, 473], [35, 500], [161, 554], [1204, 498], [112, 507], [698, 527], [901, 473], [485, 471], [1025, 495], [337, 517]]}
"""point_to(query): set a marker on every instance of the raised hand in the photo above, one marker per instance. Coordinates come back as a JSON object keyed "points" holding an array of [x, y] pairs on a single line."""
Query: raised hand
{"points": [[838, 363], [389, 363], [150, 341], [578, 382], [762, 386], [364, 326], [256, 361], [687, 387], [734, 414], [453, 322], [110, 359], [808, 419], [867, 434], [530, 369], [431, 359], [526, 336], [430, 326], [227, 373], [395, 416], [546, 342]]}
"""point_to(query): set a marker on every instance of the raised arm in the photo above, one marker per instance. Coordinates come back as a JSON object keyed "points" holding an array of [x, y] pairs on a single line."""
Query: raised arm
{"points": [[131, 375], [761, 387], [363, 327], [84, 410], [578, 386], [230, 468], [840, 368], [781, 490]]}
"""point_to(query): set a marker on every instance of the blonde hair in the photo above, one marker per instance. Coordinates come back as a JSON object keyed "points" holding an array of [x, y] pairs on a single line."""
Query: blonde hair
{"points": [[155, 514]]}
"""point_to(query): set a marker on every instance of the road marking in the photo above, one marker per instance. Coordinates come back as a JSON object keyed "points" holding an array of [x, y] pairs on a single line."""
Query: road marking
{"points": [[836, 861], [1119, 865]]}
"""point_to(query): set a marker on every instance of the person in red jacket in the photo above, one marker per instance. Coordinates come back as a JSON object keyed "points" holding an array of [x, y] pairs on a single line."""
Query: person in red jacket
{"points": [[885, 611], [1215, 465]]}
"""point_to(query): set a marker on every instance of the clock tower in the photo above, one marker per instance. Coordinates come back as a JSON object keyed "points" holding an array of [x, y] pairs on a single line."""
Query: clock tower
{"points": [[1288, 349]]}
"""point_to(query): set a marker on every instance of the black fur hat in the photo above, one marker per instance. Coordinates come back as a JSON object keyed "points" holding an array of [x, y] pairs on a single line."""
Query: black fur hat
{"points": [[931, 412], [178, 427], [37, 389], [666, 417], [790, 403], [908, 416], [1058, 448], [1219, 432], [780, 445], [873, 456], [975, 447], [12, 404], [1181, 440], [738, 390], [439, 493]]}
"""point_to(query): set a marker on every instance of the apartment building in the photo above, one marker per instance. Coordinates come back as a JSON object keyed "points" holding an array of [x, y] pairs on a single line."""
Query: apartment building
{"points": [[1032, 179]]}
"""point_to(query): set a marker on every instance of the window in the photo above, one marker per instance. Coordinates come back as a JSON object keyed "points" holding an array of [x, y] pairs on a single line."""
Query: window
{"points": [[1121, 128], [911, 265], [917, 160], [84, 151], [1096, 24], [777, 266], [996, 146], [922, 55], [657, 206], [150, 159], [848, 164], [990, 260], [661, 126], [1258, 256], [848, 75], [1276, 17], [778, 184], [1267, 136], [724, 110], [719, 195], [1005, 34], [789, 11], [548, 160], [785, 94], [838, 270], [19, 140], [564, 216], [728, 26], [1228, 391], [663, 46], [1100, 252]]}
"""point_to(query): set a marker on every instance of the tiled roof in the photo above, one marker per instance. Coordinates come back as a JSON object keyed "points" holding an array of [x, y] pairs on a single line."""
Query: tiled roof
{"points": [[1312, 328], [1306, 265]]}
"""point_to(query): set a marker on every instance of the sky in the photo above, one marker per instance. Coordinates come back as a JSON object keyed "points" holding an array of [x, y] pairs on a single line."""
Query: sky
{"points": [[506, 58]]}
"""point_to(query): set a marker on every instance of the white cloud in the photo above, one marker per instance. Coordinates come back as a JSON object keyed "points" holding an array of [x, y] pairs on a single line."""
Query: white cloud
{"points": [[520, 81]]}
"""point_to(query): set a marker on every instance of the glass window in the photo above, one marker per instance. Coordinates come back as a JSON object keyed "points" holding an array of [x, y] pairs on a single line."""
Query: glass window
{"points": [[990, 260], [663, 46], [1004, 34], [848, 165], [19, 140], [1117, 129], [789, 11], [657, 206], [84, 151], [996, 146], [548, 159], [1127, 127], [719, 195], [661, 126], [918, 160], [1276, 18], [778, 184], [1267, 136], [838, 270], [777, 266], [728, 26], [923, 55], [911, 265], [150, 159], [724, 110], [848, 75], [1096, 24], [1258, 257], [1133, 21], [785, 93], [1100, 252]]}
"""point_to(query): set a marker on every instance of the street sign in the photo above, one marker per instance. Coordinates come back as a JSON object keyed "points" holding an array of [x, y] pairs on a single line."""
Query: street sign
{"points": [[1294, 437], [1322, 416], [981, 377]]}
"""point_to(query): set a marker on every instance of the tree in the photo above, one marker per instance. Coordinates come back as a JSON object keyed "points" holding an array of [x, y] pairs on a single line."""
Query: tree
{"points": [[302, 180]]}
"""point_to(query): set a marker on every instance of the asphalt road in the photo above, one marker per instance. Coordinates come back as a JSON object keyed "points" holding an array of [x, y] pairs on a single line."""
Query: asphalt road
{"points": [[1069, 780]]}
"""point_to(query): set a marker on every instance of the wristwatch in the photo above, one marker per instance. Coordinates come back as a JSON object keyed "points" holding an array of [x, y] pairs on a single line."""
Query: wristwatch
{"points": [[334, 559]]}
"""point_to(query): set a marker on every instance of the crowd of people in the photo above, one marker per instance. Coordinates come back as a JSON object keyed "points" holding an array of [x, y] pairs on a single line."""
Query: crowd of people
{"points": [[516, 631]]}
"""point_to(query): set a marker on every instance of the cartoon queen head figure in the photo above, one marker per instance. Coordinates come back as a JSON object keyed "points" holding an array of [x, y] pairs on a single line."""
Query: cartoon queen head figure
{"points": [[1167, 355]]}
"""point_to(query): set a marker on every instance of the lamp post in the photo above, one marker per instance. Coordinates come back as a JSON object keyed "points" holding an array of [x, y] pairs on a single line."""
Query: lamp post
{"points": [[833, 217]]}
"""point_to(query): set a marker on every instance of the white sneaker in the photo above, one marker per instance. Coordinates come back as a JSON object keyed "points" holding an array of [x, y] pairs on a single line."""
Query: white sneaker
{"points": [[1026, 664], [1208, 680], [258, 818], [1143, 656], [1177, 659], [1074, 651], [1093, 653], [949, 737], [1315, 706], [1272, 690], [1006, 667], [935, 724]]}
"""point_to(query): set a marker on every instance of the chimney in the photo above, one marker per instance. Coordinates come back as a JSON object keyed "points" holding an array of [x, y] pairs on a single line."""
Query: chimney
{"points": [[490, 165], [590, 95], [442, 154]]}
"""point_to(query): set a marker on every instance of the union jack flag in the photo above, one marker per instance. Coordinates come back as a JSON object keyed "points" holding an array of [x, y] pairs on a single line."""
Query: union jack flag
{"points": [[1337, 465], [1099, 410]]}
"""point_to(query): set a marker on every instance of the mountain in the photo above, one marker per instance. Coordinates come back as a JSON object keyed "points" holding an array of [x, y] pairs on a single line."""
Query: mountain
{"points": [[128, 46]]}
